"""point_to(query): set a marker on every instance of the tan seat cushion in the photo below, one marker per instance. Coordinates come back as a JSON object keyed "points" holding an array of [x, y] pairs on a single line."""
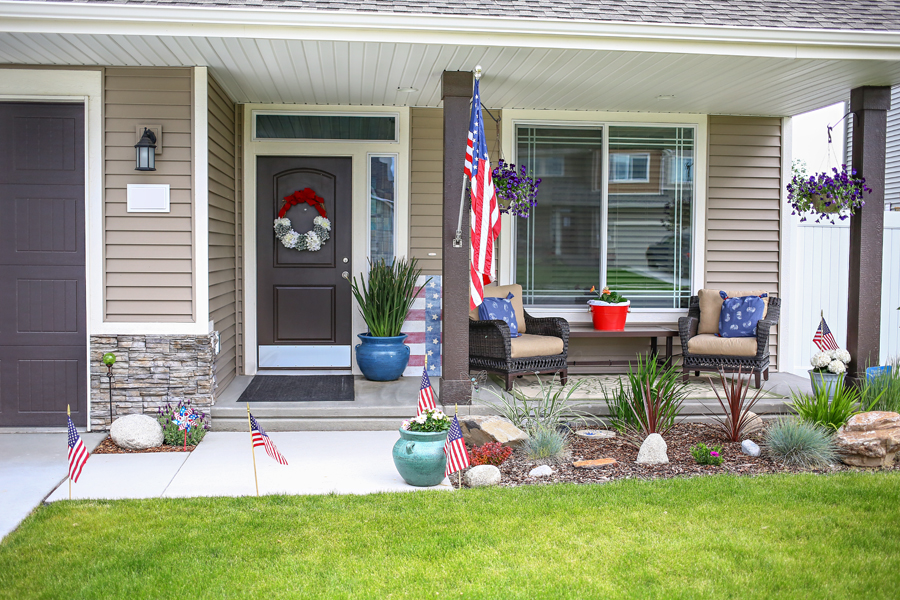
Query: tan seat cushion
{"points": [[711, 308], [528, 345], [709, 344], [501, 291]]}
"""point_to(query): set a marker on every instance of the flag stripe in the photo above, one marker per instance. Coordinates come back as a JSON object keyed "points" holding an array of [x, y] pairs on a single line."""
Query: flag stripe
{"points": [[260, 438], [77, 453]]}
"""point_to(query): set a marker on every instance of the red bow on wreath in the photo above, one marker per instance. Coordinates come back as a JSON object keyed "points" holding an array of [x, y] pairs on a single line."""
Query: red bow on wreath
{"points": [[306, 196]]}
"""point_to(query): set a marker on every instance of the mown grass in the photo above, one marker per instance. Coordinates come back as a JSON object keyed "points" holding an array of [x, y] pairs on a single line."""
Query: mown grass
{"points": [[804, 536]]}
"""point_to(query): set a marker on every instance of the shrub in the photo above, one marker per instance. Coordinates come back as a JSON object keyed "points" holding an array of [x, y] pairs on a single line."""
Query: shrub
{"points": [[882, 392], [172, 436], [818, 409], [796, 442], [651, 404], [386, 297], [549, 409], [492, 453], [546, 443], [737, 420], [431, 420], [707, 456]]}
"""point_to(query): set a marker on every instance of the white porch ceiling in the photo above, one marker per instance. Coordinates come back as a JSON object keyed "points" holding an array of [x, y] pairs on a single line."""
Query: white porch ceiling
{"points": [[369, 73]]}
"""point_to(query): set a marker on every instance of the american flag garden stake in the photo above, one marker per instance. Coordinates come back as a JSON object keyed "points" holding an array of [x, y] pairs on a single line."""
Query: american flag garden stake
{"points": [[823, 339], [455, 449], [426, 392], [78, 453], [258, 437]]}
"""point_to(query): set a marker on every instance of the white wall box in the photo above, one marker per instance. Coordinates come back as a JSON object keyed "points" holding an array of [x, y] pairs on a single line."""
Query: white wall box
{"points": [[148, 197]]}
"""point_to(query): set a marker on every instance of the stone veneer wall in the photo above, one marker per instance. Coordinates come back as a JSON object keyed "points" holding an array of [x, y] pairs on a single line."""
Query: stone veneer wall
{"points": [[151, 370]]}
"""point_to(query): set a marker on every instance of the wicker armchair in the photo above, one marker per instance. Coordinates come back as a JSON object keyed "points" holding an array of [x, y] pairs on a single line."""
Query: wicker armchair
{"points": [[757, 364], [492, 349]]}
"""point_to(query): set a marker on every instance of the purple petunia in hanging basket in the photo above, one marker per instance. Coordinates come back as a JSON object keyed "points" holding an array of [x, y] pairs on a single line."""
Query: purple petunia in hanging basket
{"points": [[516, 190], [826, 195]]}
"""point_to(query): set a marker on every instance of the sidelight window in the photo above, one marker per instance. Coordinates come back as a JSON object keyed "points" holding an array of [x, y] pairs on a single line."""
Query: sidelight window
{"points": [[382, 208]]}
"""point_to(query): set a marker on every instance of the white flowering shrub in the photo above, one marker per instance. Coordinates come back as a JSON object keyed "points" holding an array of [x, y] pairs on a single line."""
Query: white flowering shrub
{"points": [[433, 419], [837, 367], [832, 361], [820, 360]]}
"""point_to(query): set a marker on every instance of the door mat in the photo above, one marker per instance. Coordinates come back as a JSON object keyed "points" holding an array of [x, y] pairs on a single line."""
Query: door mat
{"points": [[299, 388]]}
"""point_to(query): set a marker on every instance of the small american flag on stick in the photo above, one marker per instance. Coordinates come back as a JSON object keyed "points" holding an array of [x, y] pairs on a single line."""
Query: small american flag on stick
{"points": [[823, 338], [261, 438], [78, 453], [455, 449], [426, 393]]}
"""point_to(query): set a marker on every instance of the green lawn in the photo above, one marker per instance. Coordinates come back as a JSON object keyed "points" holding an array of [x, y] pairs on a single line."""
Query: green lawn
{"points": [[805, 536]]}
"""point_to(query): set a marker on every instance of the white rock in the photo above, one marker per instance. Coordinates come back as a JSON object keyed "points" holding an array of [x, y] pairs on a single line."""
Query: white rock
{"points": [[136, 432], [653, 451], [541, 471], [482, 476], [749, 448], [754, 422]]}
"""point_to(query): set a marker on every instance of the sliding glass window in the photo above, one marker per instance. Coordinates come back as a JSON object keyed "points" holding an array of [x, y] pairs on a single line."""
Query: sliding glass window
{"points": [[628, 227]]}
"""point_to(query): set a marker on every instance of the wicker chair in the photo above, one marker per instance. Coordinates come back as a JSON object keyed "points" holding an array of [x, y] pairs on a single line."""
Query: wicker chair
{"points": [[491, 347], [757, 364]]}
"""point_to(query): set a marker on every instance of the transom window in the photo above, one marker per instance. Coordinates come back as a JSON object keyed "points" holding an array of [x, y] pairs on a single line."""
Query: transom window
{"points": [[318, 126], [614, 212]]}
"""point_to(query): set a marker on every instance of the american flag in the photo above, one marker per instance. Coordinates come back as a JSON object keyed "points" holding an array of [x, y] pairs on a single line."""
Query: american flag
{"points": [[423, 328], [261, 438], [484, 214], [455, 449], [823, 338], [426, 394], [78, 454]]}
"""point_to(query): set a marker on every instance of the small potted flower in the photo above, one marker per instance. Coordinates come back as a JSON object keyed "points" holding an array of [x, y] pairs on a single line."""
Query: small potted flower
{"points": [[826, 195], [419, 453], [516, 190], [609, 310], [829, 368]]}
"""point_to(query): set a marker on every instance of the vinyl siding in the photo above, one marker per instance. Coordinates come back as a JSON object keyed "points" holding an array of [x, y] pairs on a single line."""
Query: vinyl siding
{"points": [[744, 203], [222, 274], [239, 234], [148, 257]]}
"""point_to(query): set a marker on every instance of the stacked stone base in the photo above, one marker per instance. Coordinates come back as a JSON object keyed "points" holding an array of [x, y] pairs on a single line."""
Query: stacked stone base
{"points": [[150, 371]]}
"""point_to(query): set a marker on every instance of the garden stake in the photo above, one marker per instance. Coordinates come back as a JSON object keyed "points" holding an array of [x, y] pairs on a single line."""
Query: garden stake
{"points": [[252, 450], [109, 376], [69, 413], [459, 476]]}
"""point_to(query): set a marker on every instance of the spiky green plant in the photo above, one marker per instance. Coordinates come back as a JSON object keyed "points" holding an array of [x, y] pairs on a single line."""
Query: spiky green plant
{"points": [[385, 299], [651, 404], [882, 392], [551, 408], [798, 443], [737, 421], [818, 409], [545, 443]]}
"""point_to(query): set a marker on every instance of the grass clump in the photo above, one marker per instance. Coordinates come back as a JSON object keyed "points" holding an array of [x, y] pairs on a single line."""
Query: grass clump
{"points": [[831, 413], [799, 443], [882, 392], [549, 409], [546, 443], [737, 420], [385, 299]]}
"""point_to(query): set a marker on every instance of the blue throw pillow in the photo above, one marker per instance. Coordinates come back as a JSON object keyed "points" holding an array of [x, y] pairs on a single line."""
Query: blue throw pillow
{"points": [[500, 309], [740, 315]]}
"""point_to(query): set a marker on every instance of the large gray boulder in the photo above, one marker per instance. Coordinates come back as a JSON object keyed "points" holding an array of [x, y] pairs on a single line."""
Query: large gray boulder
{"points": [[479, 430], [136, 432], [653, 451], [482, 476]]}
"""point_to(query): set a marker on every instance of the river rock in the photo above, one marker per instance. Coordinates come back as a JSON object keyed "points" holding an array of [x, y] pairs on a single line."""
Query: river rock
{"points": [[754, 422], [749, 448], [136, 432], [653, 451], [870, 439], [541, 471], [480, 430], [482, 476]]}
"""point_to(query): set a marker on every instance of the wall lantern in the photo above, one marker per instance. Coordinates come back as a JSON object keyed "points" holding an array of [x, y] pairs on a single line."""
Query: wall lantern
{"points": [[145, 152]]}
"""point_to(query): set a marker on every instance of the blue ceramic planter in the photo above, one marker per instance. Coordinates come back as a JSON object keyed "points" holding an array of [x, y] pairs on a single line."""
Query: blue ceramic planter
{"points": [[419, 457], [382, 358]]}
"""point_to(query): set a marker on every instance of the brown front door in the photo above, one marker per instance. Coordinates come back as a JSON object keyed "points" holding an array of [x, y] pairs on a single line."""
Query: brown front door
{"points": [[43, 339], [303, 302]]}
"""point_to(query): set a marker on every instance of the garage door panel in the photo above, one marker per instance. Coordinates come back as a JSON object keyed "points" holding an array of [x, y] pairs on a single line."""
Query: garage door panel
{"points": [[38, 382], [42, 228]]}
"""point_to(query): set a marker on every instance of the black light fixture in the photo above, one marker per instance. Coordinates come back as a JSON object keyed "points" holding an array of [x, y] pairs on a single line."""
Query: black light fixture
{"points": [[145, 152]]}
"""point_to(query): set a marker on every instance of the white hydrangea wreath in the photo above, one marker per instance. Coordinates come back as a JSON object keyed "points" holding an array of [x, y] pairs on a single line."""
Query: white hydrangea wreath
{"points": [[311, 240]]}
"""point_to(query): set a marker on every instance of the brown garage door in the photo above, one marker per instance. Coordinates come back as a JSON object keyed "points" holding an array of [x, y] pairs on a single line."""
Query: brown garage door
{"points": [[43, 340]]}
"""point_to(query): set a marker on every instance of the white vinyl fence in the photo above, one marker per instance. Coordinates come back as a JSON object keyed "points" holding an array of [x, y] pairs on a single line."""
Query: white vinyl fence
{"points": [[822, 271]]}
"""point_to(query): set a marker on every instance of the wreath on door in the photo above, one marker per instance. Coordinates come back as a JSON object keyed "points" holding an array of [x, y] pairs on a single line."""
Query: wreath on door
{"points": [[311, 240]]}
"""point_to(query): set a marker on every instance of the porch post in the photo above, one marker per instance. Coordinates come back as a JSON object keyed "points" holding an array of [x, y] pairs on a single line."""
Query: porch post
{"points": [[456, 91], [869, 105]]}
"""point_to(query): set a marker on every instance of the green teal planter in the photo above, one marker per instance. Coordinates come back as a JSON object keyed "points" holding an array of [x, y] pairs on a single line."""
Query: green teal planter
{"points": [[419, 457]]}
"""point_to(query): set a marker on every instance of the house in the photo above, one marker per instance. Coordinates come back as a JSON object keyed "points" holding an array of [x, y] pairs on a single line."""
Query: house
{"points": [[661, 131]]}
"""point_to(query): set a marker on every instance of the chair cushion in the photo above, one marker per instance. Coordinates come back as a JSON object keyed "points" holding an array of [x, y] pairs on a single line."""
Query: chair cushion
{"points": [[500, 309], [740, 315], [711, 308], [501, 291], [713, 345], [528, 345]]}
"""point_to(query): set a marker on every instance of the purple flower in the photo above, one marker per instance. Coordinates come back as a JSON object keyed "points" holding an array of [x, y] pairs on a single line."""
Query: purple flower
{"points": [[714, 453]]}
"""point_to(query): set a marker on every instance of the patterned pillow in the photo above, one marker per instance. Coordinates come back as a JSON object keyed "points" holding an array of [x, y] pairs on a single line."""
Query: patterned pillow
{"points": [[740, 315], [500, 309]]}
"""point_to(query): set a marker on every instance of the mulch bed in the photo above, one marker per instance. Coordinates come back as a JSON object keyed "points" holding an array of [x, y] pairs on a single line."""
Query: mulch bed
{"points": [[107, 446], [681, 464]]}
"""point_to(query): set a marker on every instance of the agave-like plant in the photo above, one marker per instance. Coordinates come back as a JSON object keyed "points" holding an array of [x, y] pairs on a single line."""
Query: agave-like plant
{"points": [[736, 422], [551, 408], [385, 300], [652, 402]]}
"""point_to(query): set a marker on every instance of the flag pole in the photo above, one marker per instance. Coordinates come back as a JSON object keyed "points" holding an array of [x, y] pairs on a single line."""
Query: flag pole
{"points": [[69, 414], [459, 476], [252, 450]]}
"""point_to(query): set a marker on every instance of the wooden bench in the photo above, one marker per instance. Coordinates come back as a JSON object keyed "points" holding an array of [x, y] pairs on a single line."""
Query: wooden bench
{"points": [[638, 330]]}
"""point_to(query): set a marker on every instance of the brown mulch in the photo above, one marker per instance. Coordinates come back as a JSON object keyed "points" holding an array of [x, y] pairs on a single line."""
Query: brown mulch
{"points": [[681, 464], [107, 446]]}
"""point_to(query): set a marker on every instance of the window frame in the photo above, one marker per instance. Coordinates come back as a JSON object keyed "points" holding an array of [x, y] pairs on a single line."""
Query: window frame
{"points": [[631, 156], [395, 223], [313, 113]]}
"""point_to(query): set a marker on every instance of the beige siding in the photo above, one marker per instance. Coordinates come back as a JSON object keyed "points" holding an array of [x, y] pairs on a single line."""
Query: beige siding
{"points": [[744, 204], [148, 257], [222, 232], [239, 234]]}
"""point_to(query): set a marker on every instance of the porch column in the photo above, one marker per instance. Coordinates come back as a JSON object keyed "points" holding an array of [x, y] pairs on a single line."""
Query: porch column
{"points": [[456, 91], [869, 105]]}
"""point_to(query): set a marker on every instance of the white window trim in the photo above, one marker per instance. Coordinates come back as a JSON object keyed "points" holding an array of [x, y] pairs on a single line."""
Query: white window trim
{"points": [[511, 118], [631, 155], [369, 157], [325, 113]]}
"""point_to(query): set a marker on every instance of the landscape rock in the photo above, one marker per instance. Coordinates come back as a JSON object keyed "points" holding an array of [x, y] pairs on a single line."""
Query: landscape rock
{"points": [[136, 432], [594, 464], [870, 439], [541, 471], [653, 451], [481, 430], [754, 422], [482, 476], [749, 448]]}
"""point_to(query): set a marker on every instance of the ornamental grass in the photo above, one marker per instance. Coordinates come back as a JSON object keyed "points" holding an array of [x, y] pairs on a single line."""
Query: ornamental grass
{"points": [[385, 299]]}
